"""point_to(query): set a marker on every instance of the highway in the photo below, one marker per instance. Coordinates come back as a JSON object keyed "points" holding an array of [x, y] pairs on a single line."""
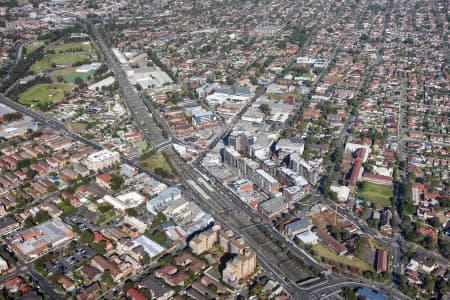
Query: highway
{"points": [[152, 127]]}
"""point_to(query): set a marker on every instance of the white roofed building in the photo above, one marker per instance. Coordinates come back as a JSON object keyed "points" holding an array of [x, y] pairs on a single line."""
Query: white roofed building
{"points": [[102, 159]]}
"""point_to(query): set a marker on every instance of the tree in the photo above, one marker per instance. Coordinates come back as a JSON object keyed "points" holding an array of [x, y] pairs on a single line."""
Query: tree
{"points": [[41, 216], [212, 287], [337, 155], [31, 173], [265, 109], [78, 81], [428, 283], [230, 80], [116, 182], [435, 222], [128, 285], [145, 260], [99, 247], [107, 278], [12, 117], [86, 237], [256, 289], [28, 222], [132, 212], [348, 294], [51, 188], [160, 218], [161, 172]]}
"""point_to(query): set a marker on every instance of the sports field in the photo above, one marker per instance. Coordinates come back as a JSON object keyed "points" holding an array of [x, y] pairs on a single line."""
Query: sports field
{"points": [[46, 62], [83, 75], [45, 92], [375, 193], [72, 47]]}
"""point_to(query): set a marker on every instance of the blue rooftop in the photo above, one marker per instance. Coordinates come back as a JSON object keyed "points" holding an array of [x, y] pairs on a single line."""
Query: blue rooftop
{"points": [[370, 295]]}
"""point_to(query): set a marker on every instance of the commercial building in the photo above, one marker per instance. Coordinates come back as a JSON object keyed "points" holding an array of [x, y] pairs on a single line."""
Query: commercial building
{"points": [[286, 145], [296, 192], [102, 83], [102, 159], [308, 238], [201, 116], [231, 157], [125, 201], [311, 171], [163, 199], [240, 140], [297, 227], [153, 249], [266, 182], [274, 207], [41, 238], [331, 242], [341, 191], [289, 177]]}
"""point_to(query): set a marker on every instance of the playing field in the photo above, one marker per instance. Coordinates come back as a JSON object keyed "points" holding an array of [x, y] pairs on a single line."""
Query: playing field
{"points": [[45, 92], [69, 59], [72, 47], [46, 62], [375, 193], [83, 75], [63, 72]]}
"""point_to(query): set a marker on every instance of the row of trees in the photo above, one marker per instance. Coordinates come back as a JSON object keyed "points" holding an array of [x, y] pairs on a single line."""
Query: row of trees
{"points": [[22, 67], [12, 117]]}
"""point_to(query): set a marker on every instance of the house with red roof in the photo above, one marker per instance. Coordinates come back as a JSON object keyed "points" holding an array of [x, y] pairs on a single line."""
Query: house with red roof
{"points": [[135, 295], [104, 180], [98, 237]]}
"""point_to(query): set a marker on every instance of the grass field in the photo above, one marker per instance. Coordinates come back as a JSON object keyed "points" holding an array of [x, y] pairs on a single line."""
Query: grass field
{"points": [[33, 46], [375, 193], [156, 161], [84, 75], [66, 47], [46, 62], [69, 59], [45, 92], [77, 127], [63, 72], [322, 251]]}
